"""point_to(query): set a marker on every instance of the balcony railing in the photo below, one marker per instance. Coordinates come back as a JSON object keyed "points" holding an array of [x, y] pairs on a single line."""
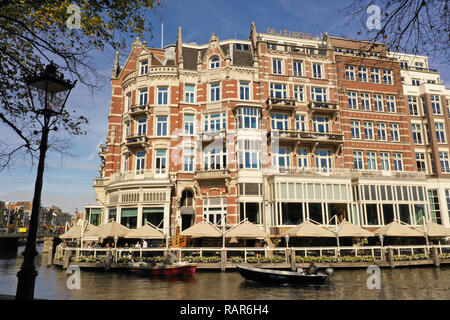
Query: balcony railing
{"points": [[337, 172], [137, 141], [212, 174], [212, 135], [281, 104], [305, 136], [404, 175], [138, 110], [413, 68], [98, 182], [329, 107]]}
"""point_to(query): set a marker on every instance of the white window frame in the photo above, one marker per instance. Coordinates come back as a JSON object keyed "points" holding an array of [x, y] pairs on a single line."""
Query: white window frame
{"points": [[372, 160], [365, 101], [143, 67], [244, 90], [390, 102], [161, 162], [355, 129], [277, 66], [440, 132], [188, 159], [381, 131], [189, 95], [299, 93], [214, 63], [162, 96], [395, 132], [444, 161], [363, 74], [375, 75], [278, 90], [317, 69], [385, 161], [352, 100], [368, 130], [350, 73], [378, 102], [358, 160], [297, 68], [143, 96], [189, 124], [161, 127], [398, 161], [319, 92], [214, 92]]}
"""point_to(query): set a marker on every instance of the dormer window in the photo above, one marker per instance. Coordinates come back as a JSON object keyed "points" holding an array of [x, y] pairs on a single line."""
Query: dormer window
{"points": [[214, 63], [144, 67]]}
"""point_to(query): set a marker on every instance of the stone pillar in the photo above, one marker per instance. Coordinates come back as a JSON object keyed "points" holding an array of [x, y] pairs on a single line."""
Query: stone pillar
{"points": [[223, 259], [436, 260], [391, 258], [293, 260], [108, 260], [67, 255], [49, 256]]}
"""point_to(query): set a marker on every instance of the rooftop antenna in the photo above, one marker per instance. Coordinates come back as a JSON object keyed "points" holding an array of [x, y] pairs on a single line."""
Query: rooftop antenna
{"points": [[162, 35]]}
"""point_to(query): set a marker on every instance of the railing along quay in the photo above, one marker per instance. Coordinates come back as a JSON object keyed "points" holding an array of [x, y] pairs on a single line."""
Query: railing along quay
{"points": [[282, 258]]}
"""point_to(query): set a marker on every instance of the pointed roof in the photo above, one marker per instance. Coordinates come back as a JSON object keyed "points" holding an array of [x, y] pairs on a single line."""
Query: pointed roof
{"points": [[109, 230], [347, 229], [145, 232], [396, 229], [202, 229], [75, 231], [435, 230], [309, 229], [246, 230]]}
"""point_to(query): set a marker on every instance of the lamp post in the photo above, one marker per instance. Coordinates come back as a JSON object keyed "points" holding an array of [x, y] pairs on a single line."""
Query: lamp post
{"points": [[286, 237], [51, 92]]}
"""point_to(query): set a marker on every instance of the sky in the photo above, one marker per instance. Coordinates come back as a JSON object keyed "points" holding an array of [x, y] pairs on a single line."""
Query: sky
{"points": [[68, 181]]}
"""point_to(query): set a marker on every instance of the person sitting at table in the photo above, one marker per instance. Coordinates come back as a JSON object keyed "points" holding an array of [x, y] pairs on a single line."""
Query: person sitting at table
{"points": [[312, 269], [138, 245], [144, 244]]}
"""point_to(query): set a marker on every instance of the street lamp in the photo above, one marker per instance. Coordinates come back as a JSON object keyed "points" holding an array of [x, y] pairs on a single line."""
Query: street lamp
{"points": [[50, 91]]}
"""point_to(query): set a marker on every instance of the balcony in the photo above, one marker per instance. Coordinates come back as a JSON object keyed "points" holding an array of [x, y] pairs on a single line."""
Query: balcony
{"points": [[139, 110], [324, 107], [137, 142], [213, 135], [99, 182], [402, 175], [314, 172], [281, 104], [308, 137], [102, 151], [212, 174]]}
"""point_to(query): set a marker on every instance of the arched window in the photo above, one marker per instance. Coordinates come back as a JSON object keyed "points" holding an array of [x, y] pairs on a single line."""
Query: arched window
{"points": [[214, 63]]}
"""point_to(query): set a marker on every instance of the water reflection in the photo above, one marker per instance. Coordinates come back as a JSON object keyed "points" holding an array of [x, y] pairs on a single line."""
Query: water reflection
{"points": [[401, 283]]}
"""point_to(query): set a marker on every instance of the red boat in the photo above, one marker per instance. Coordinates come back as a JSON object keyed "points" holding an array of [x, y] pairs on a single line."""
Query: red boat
{"points": [[178, 269]]}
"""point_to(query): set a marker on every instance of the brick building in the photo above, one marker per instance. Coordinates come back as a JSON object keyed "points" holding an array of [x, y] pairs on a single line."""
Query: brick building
{"points": [[275, 129]]}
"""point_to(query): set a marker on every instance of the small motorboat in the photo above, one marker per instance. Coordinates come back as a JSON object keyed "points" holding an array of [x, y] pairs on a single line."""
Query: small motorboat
{"points": [[278, 276], [176, 269]]}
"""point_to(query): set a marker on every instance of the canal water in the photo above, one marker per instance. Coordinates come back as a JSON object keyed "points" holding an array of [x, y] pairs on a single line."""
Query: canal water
{"points": [[51, 283]]}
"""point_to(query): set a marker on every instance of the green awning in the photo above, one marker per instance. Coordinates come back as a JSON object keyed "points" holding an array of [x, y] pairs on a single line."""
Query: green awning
{"points": [[96, 211], [129, 213], [153, 210]]}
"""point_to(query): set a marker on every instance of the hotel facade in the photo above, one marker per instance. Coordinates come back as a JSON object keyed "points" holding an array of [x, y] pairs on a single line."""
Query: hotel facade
{"points": [[276, 129]]}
